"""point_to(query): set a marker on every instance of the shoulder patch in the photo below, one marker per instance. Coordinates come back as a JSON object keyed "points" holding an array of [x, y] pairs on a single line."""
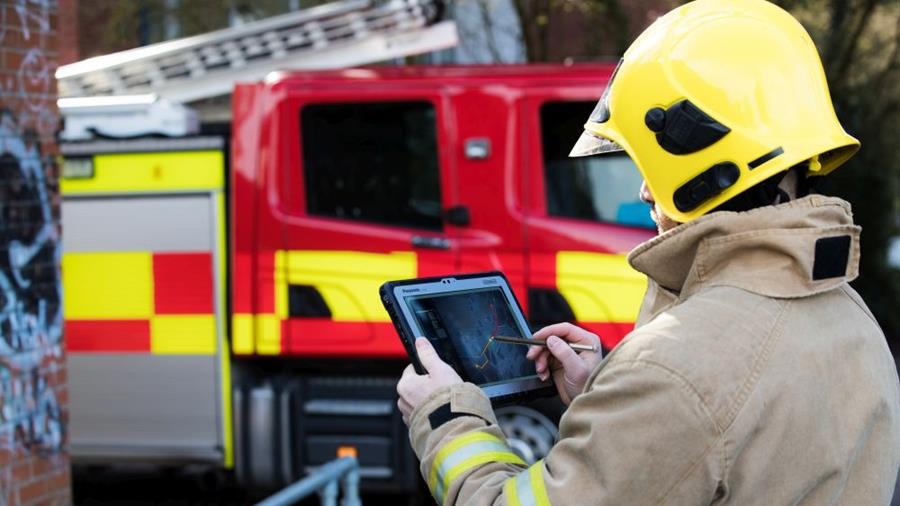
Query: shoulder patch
{"points": [[832, 255]]}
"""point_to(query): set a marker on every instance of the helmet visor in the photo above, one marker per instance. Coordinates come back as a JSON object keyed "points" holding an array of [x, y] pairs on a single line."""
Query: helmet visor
{"points": [[592, 144]]}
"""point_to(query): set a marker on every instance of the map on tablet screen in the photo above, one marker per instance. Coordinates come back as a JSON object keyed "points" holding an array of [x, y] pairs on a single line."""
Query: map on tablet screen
{"points": [[462, 327]]}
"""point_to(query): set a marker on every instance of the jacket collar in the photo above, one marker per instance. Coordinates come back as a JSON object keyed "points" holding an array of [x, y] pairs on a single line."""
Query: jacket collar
{"points": [[795, 249]]}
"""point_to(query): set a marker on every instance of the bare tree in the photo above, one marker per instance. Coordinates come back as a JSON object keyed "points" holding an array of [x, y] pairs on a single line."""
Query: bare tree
{"points": [[489, 30], [535, 18], [587, 29]]}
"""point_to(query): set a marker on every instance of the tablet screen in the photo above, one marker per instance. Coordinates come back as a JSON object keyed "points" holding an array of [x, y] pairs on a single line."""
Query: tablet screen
{"points": [[461, 326]]}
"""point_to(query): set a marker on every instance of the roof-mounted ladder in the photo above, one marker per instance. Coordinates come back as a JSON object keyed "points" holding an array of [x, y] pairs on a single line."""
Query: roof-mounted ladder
{"points": [[339, 34]]}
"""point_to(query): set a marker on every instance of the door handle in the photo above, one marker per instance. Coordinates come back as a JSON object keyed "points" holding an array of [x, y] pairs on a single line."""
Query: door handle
{"points": [[458, 215], [421, 241]]}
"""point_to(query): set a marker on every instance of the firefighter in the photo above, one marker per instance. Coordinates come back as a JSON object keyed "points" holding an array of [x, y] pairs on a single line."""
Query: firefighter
{"points": [[755, 374]]}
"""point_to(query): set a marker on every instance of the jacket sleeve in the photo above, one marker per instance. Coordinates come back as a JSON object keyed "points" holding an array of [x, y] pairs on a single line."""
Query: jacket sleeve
{"points": [[638, 435]]}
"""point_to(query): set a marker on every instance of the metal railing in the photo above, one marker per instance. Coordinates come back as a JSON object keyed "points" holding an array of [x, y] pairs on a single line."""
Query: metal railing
{"points": [[342, 473]]}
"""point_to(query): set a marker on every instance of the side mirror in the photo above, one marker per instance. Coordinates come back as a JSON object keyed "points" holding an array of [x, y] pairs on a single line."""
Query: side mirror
{"points": [[458, 216]]}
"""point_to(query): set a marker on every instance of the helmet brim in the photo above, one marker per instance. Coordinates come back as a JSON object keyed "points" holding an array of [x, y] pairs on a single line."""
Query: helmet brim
{"points": [[592, 144]]}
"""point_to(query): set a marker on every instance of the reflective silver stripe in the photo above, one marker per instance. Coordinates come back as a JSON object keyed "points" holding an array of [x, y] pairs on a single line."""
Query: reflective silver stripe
{"points": [[527, 488], [459, 457], [523, 489]]}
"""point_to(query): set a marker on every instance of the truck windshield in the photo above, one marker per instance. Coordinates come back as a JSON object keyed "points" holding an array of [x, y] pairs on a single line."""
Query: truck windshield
{"points": [[600, 188]]}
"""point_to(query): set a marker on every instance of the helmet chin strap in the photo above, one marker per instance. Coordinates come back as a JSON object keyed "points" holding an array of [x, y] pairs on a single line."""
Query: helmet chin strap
{"points": [[789, 187], [778, 189]]}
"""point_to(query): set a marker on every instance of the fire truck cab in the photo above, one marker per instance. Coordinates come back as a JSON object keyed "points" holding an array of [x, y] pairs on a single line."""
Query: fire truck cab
{"points": [[260, 342]]}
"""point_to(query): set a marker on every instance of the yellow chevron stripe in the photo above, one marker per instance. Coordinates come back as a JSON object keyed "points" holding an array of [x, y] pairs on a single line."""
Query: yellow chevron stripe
{"points": [[600, 287], [347, 280]]}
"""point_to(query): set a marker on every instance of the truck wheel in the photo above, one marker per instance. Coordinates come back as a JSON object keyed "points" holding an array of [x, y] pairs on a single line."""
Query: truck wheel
{"points": [[529, 433]]}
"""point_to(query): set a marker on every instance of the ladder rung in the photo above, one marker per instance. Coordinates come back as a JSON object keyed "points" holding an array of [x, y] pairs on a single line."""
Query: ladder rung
{"points": [[290, 37]]}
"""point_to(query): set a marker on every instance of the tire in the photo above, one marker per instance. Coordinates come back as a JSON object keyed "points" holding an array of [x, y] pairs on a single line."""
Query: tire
{"points": [[529, 432]]}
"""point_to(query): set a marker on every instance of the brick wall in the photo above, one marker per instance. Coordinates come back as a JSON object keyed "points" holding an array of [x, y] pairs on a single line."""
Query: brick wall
{"points": [[68, 32], [34, 465]]}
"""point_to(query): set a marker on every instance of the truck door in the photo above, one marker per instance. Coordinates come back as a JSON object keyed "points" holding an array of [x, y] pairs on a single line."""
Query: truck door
{"points": [[143, 280], [491, 235], [584, 215], [367, 185]]}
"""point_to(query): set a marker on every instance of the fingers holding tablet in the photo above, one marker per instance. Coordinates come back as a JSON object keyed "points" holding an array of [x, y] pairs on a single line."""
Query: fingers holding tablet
{"points": [[414, 388], [430, 359]]}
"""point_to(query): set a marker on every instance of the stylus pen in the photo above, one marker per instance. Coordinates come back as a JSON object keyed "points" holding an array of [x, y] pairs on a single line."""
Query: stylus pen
{"points": [[538, 342]]}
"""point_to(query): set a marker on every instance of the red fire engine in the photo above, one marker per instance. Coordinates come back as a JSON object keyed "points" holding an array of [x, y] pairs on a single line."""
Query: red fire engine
{"points": [[221, 291]]}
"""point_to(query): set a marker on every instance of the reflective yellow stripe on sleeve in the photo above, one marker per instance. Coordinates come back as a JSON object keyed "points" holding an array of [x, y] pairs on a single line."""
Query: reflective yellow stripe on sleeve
{"points": [[464, 454], [527, 488]]}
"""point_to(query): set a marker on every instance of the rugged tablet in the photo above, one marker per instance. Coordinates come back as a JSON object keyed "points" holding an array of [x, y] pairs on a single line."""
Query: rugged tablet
{"points": [[461, 316]]}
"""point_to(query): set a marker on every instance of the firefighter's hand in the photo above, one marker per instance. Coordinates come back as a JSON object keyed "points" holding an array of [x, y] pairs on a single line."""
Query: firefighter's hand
{"points": [[415, 388], [570, 368]]}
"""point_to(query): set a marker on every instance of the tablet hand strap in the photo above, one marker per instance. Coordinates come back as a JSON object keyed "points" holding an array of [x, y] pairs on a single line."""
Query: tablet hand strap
{"points": [[443, 414]]}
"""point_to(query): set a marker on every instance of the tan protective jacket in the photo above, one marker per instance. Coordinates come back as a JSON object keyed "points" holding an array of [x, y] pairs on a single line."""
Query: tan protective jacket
{"points": [[755, 375]]}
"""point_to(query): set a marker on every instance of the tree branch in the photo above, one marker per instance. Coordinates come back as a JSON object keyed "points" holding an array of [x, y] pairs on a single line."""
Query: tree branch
{"points": [[843, 64], [487, 22]]}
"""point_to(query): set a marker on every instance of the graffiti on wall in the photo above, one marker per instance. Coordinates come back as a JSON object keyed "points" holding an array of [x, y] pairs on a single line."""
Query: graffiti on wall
{"points": [[30, 309], [31, 350], [31, 83], [33, 18]]}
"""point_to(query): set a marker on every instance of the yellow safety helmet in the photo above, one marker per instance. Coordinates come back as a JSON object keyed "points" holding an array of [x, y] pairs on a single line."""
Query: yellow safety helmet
{"points": [[714, 98]]}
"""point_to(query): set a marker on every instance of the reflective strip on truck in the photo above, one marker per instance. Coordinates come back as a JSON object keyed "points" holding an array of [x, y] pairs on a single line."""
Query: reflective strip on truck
{"points": [[604, 292], [129, 301], [348, 282], [150, 172]]}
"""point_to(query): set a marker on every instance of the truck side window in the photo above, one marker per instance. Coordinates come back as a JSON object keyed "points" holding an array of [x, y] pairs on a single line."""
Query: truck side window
{"points": [[372, 162], [597, 188]]}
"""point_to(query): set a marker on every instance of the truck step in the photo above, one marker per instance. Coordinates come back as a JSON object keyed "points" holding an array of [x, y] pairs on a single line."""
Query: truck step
{"points": [[285, 428]]}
